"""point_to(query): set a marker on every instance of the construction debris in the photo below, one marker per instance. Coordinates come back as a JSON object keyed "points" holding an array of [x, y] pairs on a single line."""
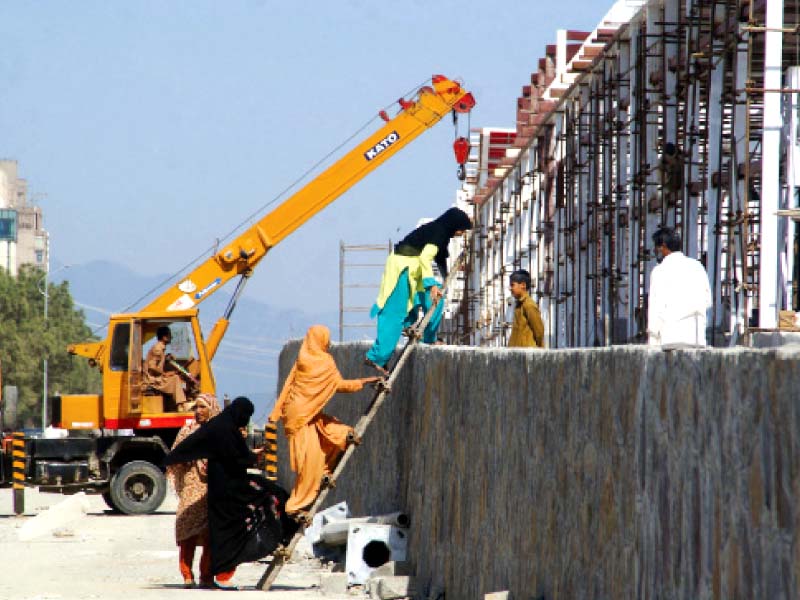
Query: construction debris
{"points": [[371, 545], [393, 568], [56, 518], [333, 584], [333, 514], [390, 588], [335, 533], [375, 546]]}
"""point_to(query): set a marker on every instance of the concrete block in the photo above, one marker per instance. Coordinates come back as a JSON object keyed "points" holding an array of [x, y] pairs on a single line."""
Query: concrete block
{"points": [[392, 568], [333, 584], [506, 595], [391, 588], [370, 545]]}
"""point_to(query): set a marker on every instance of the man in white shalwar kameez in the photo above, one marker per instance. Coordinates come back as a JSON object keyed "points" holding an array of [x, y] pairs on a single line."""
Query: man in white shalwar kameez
{"points": [[680, 295]]}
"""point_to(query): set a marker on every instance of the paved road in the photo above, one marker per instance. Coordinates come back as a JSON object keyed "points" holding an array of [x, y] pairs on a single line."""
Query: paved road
{"points": [[108, 556]]}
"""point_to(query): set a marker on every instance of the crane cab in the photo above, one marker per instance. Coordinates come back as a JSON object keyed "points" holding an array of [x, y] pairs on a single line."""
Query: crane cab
{"points": [[128, 401]]}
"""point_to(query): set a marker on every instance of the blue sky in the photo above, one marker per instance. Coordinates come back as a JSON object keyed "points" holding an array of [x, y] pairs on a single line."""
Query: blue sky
{"points": [[148, 129]]}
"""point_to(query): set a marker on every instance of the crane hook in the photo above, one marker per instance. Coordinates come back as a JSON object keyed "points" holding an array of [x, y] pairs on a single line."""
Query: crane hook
{"points": [[461, 148]]}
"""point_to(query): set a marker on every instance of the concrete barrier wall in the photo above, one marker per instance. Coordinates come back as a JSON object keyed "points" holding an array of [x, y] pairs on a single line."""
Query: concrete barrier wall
{"points": [[609, 473]]}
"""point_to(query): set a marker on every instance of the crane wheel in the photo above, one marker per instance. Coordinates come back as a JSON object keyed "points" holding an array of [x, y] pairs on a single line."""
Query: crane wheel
{"points": [[138, 488]]}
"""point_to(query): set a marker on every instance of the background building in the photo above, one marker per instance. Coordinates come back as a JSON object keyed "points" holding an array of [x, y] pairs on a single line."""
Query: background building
{"points": [[23, 239]]}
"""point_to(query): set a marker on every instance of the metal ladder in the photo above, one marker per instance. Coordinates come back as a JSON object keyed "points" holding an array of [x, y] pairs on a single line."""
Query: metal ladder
{"points": [[282, 555]]}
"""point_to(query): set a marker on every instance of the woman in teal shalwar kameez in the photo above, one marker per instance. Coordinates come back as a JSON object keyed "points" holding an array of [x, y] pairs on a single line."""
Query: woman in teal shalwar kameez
{"points": [[408, 283]]}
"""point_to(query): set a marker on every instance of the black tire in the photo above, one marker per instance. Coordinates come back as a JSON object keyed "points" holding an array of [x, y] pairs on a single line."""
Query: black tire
{"points": [[110, 501], [138, 488]]}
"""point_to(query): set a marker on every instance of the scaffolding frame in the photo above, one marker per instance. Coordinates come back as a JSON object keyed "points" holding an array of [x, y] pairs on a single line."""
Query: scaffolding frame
{"points": [[374, 267], [668, 113]]}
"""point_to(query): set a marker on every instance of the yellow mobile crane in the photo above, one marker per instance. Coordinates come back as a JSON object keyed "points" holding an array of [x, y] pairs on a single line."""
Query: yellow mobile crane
{"points": [[118, 438]]}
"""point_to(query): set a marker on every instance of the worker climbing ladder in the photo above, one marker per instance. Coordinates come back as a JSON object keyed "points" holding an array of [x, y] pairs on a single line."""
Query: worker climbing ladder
{"points": [[282, 555]]}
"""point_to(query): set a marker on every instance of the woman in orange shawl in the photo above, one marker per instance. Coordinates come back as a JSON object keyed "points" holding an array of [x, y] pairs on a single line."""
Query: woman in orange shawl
{"points": [[315, 439]]}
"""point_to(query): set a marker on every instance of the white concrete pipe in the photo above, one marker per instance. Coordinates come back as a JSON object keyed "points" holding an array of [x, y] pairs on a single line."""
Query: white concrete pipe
{"points": [[398, 519], [335, 533]]}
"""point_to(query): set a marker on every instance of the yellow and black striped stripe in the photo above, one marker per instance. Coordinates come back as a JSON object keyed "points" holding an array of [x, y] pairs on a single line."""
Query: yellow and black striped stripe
{"points": [[18, 471], [271, 450]]}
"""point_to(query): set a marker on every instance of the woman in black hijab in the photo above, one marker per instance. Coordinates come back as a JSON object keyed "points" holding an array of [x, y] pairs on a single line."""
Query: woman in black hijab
{"points": [[438, 232], [408, 283], [246, 520]]}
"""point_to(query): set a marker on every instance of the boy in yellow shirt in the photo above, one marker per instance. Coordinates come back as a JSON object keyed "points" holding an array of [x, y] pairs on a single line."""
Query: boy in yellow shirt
{"points": [[528, 329]]}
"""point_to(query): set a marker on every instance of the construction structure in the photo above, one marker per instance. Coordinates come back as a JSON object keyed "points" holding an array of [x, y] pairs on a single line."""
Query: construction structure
{"points": [[678, 113], [359, 280], [23, 239]]}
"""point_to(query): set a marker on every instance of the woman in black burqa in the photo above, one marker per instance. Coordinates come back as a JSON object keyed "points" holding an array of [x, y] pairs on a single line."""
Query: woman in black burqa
{"points": [[246, 519]]}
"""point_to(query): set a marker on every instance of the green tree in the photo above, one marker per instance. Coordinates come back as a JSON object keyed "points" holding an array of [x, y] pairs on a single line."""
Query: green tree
{"points": [[26, 339]]}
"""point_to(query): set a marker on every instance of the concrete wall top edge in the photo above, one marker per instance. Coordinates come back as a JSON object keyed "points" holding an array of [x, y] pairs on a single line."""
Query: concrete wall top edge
{"points": [[789, 352]]}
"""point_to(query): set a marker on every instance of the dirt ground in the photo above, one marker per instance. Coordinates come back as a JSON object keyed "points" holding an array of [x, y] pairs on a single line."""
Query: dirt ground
{"points": [[104, 555]]}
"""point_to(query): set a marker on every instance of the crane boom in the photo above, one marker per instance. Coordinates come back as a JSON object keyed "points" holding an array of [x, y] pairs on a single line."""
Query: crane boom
{"points": [[135, 396], [241, 255]]}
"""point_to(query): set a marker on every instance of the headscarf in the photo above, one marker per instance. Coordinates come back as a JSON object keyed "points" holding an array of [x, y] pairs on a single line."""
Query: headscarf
{"points": [[176, 472], [439, 232], [311, 383], [241, 409], [218, 438], [210, 400]]}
